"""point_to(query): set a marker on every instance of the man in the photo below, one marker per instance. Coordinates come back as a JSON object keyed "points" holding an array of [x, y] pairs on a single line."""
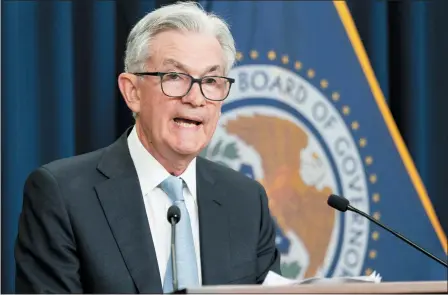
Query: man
{"points": [[97, 223]]}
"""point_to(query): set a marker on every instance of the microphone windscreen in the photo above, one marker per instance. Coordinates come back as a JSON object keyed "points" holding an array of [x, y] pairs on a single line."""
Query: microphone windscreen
{"points": [[173, 214], [338, 203]]}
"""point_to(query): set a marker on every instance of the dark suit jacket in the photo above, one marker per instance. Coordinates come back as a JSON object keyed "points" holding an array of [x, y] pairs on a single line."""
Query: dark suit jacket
{"points": [[83, 227]]}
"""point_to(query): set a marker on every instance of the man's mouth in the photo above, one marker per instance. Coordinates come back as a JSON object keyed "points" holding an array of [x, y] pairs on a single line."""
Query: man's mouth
{"points": [[184, 122]]}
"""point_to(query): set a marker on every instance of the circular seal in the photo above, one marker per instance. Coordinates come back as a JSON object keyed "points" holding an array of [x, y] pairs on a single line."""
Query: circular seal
{"points": [[279, 129]]}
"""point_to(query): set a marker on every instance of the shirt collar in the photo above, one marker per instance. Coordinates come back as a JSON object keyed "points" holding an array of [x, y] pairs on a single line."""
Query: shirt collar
{"points": [[150, 172], [189, 177]]}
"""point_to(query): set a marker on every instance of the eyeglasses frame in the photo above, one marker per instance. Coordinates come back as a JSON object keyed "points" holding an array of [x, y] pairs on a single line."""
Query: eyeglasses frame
{"points": [[193, 80]]}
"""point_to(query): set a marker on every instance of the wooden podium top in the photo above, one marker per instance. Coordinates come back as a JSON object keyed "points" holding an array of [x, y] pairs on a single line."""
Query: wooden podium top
{"points": [[431, 287]]}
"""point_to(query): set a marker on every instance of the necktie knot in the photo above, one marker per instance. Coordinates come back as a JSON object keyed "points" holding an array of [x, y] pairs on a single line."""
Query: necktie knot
{"points": [[172, 186]]}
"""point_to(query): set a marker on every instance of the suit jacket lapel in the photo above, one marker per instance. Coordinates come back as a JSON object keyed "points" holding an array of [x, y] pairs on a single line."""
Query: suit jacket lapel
{"points": [[214, 228], [123, 205]]}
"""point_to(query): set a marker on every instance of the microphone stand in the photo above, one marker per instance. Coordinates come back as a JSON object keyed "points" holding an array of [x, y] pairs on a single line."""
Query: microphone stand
{"points": [[173, 254]]}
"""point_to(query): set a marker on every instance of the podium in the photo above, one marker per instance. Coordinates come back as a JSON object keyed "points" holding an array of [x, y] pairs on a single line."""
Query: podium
{"points": [[430, 287]]}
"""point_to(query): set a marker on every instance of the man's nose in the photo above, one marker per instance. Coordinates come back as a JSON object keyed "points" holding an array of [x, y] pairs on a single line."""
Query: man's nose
{"points": [[194, 96]]}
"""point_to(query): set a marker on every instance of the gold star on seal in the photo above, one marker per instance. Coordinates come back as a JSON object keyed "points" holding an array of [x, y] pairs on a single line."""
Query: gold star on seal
{"points": [[369, 160], [239, 56], [285, 59], [346, 110], [377, 215], [376, 197], [272, 55], [324, 83], [253, 54], [298, 65], [335, 96], [355, 125], [311, 73], [362, 142], [372, 254], [375, 236], [373, 178]]}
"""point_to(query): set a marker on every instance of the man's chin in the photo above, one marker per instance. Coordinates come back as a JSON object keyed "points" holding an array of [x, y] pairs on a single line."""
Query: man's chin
{"points": [[187, 152], [188, 149], [187, 145]]}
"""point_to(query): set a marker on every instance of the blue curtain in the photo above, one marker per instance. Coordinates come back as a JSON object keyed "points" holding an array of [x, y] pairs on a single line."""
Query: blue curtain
{"points": [[59, 90], [60, 96]]}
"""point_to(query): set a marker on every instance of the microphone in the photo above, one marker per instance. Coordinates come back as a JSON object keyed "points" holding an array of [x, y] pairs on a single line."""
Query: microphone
{"points": [[173, 216], [342, 204]]}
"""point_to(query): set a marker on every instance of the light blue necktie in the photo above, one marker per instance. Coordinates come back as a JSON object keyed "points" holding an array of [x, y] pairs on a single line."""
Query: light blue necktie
{"points": [[187, 270]]}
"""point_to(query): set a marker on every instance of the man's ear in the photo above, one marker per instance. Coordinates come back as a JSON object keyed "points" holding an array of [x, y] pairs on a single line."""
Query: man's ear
{"points": [[128, 88]]}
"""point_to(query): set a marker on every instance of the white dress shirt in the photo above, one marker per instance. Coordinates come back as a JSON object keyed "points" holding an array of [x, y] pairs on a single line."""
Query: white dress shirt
{"points": [[150, 174]]}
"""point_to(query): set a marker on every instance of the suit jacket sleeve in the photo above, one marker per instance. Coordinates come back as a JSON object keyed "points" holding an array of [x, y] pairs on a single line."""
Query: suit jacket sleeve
{"points": [[45, 251], [268, 255]]}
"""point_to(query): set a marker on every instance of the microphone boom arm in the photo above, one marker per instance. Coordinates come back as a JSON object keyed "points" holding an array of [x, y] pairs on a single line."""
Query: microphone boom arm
{"points": [[398, 235]]}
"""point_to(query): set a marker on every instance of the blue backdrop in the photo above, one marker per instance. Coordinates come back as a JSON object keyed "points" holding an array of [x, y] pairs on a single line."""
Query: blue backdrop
{"points": [[277, 30], [59, 94]]}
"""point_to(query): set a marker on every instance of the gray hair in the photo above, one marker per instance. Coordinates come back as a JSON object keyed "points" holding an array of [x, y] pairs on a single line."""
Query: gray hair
{"points": [[182, 16]]}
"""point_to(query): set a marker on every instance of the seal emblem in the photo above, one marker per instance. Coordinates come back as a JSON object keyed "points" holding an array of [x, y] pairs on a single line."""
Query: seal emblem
{"points": [[279, 129]]}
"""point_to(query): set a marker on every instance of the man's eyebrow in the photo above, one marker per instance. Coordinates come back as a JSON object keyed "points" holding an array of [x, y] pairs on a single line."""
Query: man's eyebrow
{"points": [[213, 69], [184, 68], [175, 63]]}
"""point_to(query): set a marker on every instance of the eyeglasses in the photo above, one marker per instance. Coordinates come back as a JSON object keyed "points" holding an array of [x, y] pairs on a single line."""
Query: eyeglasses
{"points": [[175, 84]]}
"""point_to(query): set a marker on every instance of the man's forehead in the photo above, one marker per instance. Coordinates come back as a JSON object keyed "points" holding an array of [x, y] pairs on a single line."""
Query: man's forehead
{"points": [[187, 50]]}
